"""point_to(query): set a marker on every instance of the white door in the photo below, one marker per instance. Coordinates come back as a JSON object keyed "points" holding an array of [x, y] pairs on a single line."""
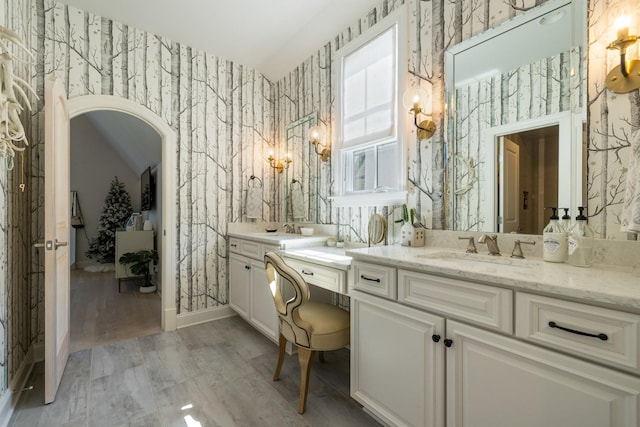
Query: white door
{"points": [[56, 235], [397, 361], [239, 278], [263, 310], [510, 185], [496, 381]]}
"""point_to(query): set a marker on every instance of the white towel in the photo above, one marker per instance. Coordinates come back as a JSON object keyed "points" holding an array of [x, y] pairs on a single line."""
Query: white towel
{"points": [[630, 215], [254, 202], [297, 200]]}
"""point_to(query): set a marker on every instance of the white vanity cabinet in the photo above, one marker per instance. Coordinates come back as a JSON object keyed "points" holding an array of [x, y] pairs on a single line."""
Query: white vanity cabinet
{"points": [[397, 368], [458, 335], [249, 293]]}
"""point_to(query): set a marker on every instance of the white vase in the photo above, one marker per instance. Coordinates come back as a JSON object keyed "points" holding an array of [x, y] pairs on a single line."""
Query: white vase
{"points": [[147, 289], [406, 234]]}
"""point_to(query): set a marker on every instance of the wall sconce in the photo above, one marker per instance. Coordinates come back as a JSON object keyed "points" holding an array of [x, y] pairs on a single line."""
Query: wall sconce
{"points": [[279, 165], [414, 99], [316, 136], [626, 77]]}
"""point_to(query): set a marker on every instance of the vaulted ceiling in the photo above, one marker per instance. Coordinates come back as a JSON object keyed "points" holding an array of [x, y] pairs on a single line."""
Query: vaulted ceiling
{"points": [[271, 36]]}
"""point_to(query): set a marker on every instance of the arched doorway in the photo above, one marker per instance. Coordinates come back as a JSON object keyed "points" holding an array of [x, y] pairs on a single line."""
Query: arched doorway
{"points": [[88, 103]]}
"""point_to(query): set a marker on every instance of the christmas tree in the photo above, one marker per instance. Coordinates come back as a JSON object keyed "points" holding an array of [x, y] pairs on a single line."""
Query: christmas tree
{"points": [[117, 210]]}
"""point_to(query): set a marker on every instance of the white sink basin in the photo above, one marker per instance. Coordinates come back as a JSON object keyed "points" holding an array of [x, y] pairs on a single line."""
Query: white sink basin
{"points": [[482, 261]]}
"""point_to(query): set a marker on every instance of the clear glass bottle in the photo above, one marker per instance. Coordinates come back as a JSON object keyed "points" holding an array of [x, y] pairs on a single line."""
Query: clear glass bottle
{"points": [[581, 242], [554, 240]]}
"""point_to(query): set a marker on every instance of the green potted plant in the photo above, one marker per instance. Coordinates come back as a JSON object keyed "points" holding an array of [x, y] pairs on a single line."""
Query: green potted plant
{"points": [[139, 263]]}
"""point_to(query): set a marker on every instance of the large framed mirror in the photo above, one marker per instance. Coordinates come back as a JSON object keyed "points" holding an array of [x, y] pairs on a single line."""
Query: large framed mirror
{"points": [[515, 112]]}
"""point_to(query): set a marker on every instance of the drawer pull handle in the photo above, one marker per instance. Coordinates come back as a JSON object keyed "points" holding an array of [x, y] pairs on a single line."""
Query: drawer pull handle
{"points": [[363, 277], [307, 273], [247, 267], [233, 245], [435, 338], [448, 343], [603, 337]]}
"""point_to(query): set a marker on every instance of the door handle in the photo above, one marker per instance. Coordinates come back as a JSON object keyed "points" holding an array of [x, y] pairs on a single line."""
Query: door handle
{"points": [[50, 245], [58, 244]]}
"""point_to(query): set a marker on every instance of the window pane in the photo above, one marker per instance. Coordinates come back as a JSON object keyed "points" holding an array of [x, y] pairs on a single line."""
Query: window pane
{"points": [[380, 121], [380, 82], [364, 170], [353, 129], [387, 166], [354, 95], [369, 91]]}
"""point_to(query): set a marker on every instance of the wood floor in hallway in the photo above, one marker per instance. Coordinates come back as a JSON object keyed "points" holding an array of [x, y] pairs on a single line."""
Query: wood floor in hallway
{"points": [[101, 315]]}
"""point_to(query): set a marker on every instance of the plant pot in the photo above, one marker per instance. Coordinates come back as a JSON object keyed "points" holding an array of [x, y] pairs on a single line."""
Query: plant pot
{"points": [[147, 289]]}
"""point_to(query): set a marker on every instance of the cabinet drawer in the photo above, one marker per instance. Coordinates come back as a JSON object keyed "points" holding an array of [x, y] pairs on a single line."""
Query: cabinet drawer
{"points": [[267, 248], [324, 277], [482, 304], [251, 249], [234, 245], [562, 325], [375, 279]]}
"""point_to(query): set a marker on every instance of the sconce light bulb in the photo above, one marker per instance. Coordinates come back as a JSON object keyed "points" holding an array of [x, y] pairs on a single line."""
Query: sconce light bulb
{"points": [[622, 25]]}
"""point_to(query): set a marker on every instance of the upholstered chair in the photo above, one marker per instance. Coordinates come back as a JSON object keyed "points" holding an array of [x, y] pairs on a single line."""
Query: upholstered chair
{"points": [[311, 326]]}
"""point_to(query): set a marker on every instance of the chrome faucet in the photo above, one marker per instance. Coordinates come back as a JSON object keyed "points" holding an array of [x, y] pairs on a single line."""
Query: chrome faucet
{"points": [[289, 228], [492, 243], [471, 247], [517, 250]]}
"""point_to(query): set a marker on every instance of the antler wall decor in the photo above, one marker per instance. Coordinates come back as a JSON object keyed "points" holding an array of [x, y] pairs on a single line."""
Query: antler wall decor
{"points": [[11, 93]]}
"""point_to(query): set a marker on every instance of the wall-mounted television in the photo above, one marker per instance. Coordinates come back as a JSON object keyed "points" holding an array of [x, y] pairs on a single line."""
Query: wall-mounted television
{"points": [[147, 190]]}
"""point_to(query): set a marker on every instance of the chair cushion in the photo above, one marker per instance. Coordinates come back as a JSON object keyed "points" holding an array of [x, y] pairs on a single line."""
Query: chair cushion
{"points": [[330, 325]]}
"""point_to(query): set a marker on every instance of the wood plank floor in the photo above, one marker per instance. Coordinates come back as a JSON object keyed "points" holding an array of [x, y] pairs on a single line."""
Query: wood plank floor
{"points": [[214, 374], [101, 315], [124, 371]]}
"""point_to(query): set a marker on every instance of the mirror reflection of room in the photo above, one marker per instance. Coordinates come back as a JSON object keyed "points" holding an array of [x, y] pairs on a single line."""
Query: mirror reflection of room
{"points": [[527, 179]]}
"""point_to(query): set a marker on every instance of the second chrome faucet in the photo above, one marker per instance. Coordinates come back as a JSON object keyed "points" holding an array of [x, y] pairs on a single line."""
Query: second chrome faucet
{"points": [[492, 243]]}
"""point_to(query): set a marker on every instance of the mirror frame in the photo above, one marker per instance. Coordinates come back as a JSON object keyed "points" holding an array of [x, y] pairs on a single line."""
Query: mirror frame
{"points": [[570, 192]]}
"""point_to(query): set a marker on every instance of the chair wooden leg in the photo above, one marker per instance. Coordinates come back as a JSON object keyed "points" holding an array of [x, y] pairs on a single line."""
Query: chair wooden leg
{"points": [[305, 356], [321, 356], [282, 344]]}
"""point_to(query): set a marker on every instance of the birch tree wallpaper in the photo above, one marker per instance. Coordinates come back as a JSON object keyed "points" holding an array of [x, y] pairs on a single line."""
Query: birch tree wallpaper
{"points": [[228, 118]]}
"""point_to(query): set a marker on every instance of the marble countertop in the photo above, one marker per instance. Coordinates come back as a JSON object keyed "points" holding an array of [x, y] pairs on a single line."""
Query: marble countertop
{"points": [[284, 240], [617, 286], [323, 255]]}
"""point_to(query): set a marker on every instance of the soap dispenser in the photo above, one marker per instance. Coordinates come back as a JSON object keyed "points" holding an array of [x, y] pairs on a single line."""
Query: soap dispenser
{"points": [[581, 242], [565, 221], [554, 240]]}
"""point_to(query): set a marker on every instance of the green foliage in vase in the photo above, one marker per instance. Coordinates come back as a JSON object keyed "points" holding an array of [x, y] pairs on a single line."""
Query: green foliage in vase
{"points": [[117, 210], [139, 263]]}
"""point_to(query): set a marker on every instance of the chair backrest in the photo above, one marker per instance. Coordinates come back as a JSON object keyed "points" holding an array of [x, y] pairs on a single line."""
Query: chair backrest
{"points": [[292, 326]]}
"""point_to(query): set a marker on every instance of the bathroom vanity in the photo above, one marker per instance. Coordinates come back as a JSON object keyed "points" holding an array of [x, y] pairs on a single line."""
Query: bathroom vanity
{"points": [[249, 295], [440, 337]]}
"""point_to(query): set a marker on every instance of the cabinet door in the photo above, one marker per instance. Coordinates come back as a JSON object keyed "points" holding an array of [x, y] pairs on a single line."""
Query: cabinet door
{"points": [[263, 310], [239, 284], [397, 370], [497, 381]]}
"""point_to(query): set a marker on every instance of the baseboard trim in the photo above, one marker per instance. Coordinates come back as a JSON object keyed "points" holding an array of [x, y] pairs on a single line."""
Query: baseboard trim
{"points": [[11, 397], [202, 316], [169, 320]]}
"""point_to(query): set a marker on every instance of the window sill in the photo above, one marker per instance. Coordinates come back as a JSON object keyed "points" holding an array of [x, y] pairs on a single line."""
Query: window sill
{"points": [[370, 199]]}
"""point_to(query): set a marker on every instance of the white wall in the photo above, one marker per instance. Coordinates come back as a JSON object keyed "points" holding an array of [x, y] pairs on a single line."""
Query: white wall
{"points": [[94, 164]]}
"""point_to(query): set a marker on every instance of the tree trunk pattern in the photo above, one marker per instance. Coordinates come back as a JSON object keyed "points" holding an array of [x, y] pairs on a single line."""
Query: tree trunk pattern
{"points": [[88, 59]]}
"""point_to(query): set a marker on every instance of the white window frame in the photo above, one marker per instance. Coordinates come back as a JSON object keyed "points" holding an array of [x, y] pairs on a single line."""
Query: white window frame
{"points": [[398, 20]]}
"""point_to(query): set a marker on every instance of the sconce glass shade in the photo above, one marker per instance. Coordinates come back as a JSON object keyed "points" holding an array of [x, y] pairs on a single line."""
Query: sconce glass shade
{"points": [[415, 100], [316, 134], [316, 137], [625, 77]]}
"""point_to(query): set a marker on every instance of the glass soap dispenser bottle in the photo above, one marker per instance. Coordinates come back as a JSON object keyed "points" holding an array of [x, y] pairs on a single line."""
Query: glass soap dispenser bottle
{"points": [[565, 220], [554, 240], [581, 242]]}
